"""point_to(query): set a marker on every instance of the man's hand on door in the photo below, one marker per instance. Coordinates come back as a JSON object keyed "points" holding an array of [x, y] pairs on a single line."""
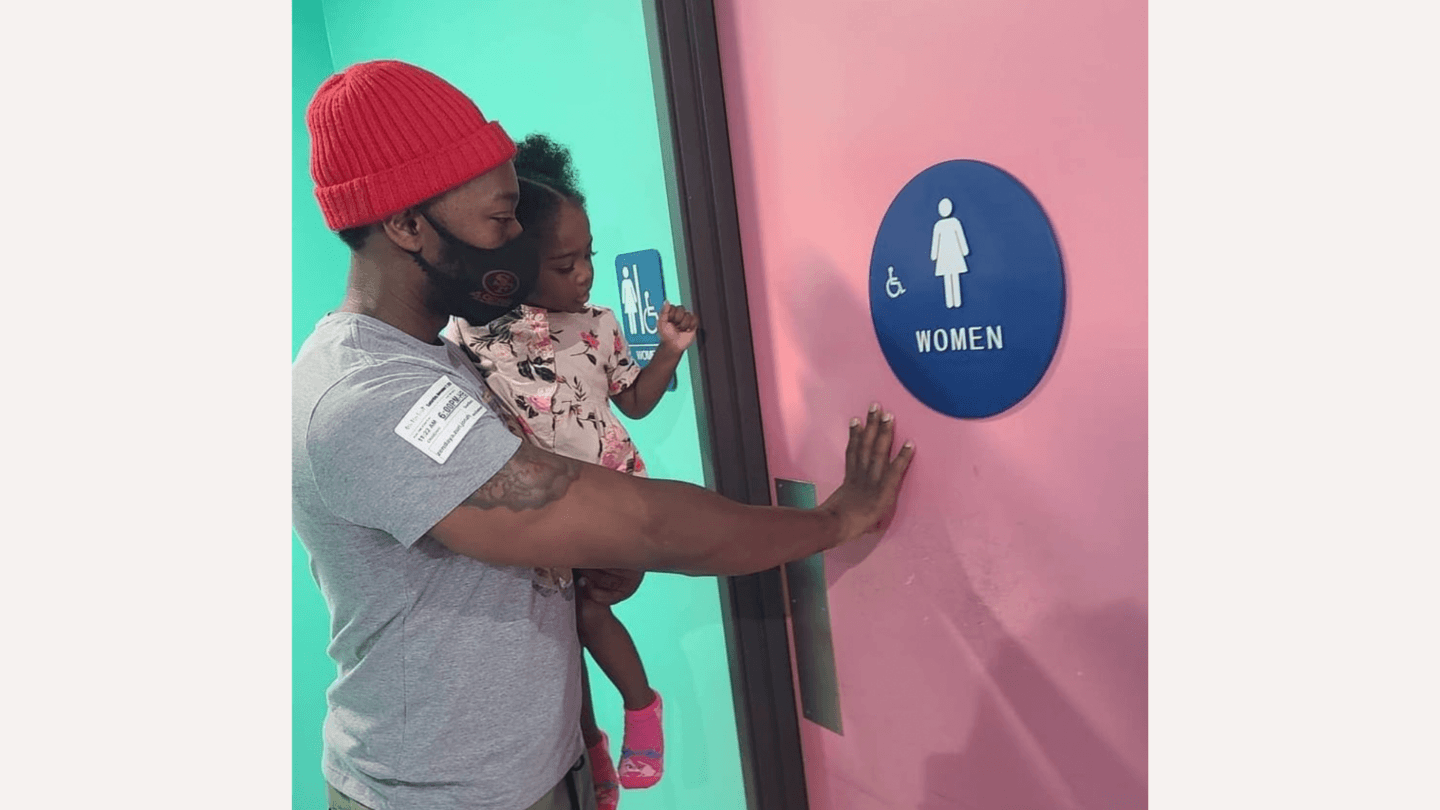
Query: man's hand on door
{"points": [[872, 476]]}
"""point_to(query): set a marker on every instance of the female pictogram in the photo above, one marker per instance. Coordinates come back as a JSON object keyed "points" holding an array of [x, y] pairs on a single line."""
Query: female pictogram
{"points": [[630, 298], [948, 250]]}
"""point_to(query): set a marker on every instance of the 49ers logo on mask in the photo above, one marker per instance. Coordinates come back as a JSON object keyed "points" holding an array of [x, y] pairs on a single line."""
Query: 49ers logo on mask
{"points": [[500, 282], [496, 287]]}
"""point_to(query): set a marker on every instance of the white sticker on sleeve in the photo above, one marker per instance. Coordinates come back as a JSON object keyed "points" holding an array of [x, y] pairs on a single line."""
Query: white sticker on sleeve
{"points": [[440, 419]]}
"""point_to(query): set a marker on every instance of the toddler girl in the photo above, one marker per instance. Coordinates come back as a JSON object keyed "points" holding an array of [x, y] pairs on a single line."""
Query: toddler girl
{"points": [[557, 364]]}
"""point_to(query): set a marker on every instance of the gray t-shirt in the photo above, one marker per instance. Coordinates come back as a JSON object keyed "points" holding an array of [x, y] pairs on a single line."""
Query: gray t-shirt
{"points": [[458, 682]]}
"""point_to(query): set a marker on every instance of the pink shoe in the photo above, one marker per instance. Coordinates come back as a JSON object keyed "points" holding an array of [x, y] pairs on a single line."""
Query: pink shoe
{"points": [[602, 772], [642, 756]]}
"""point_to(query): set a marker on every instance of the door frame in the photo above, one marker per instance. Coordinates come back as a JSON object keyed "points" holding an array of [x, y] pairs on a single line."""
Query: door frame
{"points": [[685, 44]]}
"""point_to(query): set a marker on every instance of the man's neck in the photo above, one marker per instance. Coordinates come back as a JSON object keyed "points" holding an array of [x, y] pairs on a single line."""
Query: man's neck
{"points": [[391, 295]]}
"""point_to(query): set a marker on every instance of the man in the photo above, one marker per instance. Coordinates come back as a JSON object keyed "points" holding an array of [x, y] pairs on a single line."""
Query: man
{"points": [[429, 526]]}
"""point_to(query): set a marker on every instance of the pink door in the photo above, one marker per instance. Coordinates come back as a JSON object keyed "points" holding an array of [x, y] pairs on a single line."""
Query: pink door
{"points": [[991, 650]]}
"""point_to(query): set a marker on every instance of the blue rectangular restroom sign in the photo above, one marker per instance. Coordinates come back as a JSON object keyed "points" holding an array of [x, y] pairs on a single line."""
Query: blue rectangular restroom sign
{"points": [[642, 295]]}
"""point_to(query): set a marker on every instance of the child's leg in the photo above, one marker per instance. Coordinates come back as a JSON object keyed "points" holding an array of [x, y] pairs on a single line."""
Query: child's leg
{"points": [[588, 728], [609, 643], [642, 754], [597, 745]]}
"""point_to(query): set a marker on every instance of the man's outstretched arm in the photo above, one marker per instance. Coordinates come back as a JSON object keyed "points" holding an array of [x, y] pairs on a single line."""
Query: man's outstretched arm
{"points": [[541, 509]]}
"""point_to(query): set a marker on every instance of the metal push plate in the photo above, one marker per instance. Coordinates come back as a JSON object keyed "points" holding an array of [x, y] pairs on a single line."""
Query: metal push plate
{"points": [[810, 617]]}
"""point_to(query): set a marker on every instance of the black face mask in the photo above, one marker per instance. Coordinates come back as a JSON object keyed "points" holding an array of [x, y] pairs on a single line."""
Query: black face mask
{"points": [[480, 284]]}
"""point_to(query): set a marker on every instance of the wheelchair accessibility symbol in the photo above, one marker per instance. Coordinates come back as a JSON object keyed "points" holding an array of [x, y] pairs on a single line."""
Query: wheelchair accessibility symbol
{"points": [[893, 287]]}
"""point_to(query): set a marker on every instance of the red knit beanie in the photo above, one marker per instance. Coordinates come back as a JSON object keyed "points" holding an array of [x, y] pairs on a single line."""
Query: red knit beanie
{"points": [[386, 135]]}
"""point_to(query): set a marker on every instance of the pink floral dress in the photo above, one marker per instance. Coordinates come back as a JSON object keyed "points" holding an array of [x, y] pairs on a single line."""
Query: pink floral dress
{"points": [[555, 373]]}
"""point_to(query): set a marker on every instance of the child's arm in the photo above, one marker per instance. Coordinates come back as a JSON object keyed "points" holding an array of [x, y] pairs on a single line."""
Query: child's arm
{"points": [[677, 331]]}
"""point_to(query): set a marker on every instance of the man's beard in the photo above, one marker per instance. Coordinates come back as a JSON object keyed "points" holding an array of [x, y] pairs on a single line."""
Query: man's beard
{"points": [[479, 284]]}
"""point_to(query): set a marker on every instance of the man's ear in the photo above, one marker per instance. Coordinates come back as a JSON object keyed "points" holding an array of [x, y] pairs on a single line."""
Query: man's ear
{"points": [[403, 228]]}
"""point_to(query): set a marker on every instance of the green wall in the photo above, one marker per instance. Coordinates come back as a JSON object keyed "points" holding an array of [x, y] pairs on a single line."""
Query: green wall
{"points": [[319, 261], [581, 72]]}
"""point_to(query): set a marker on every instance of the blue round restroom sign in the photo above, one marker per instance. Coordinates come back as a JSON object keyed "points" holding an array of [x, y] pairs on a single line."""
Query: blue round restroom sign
{"points": [[967, 292]]}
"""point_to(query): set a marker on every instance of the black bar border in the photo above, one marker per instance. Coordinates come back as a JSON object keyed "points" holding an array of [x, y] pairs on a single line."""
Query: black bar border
{"points": [[753, 606]]}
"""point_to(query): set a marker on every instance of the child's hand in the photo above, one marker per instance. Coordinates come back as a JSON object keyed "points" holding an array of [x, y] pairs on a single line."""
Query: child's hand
{"points": [[678, 327], [607, 585]]}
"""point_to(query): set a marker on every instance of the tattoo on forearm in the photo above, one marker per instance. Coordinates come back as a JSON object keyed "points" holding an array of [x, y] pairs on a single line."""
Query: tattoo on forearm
{"points": [[530, 480]]}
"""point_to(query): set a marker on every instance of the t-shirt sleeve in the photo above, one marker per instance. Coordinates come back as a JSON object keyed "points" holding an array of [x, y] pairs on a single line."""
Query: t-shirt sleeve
{"points": [[620, 366], [376, 447]]}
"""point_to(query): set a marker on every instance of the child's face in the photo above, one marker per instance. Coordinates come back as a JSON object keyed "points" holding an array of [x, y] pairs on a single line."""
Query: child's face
{"points": [[566, 271]]}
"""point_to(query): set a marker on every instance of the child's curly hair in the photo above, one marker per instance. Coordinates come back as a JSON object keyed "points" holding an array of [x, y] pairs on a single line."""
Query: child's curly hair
{"points": [[547, 178]]}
